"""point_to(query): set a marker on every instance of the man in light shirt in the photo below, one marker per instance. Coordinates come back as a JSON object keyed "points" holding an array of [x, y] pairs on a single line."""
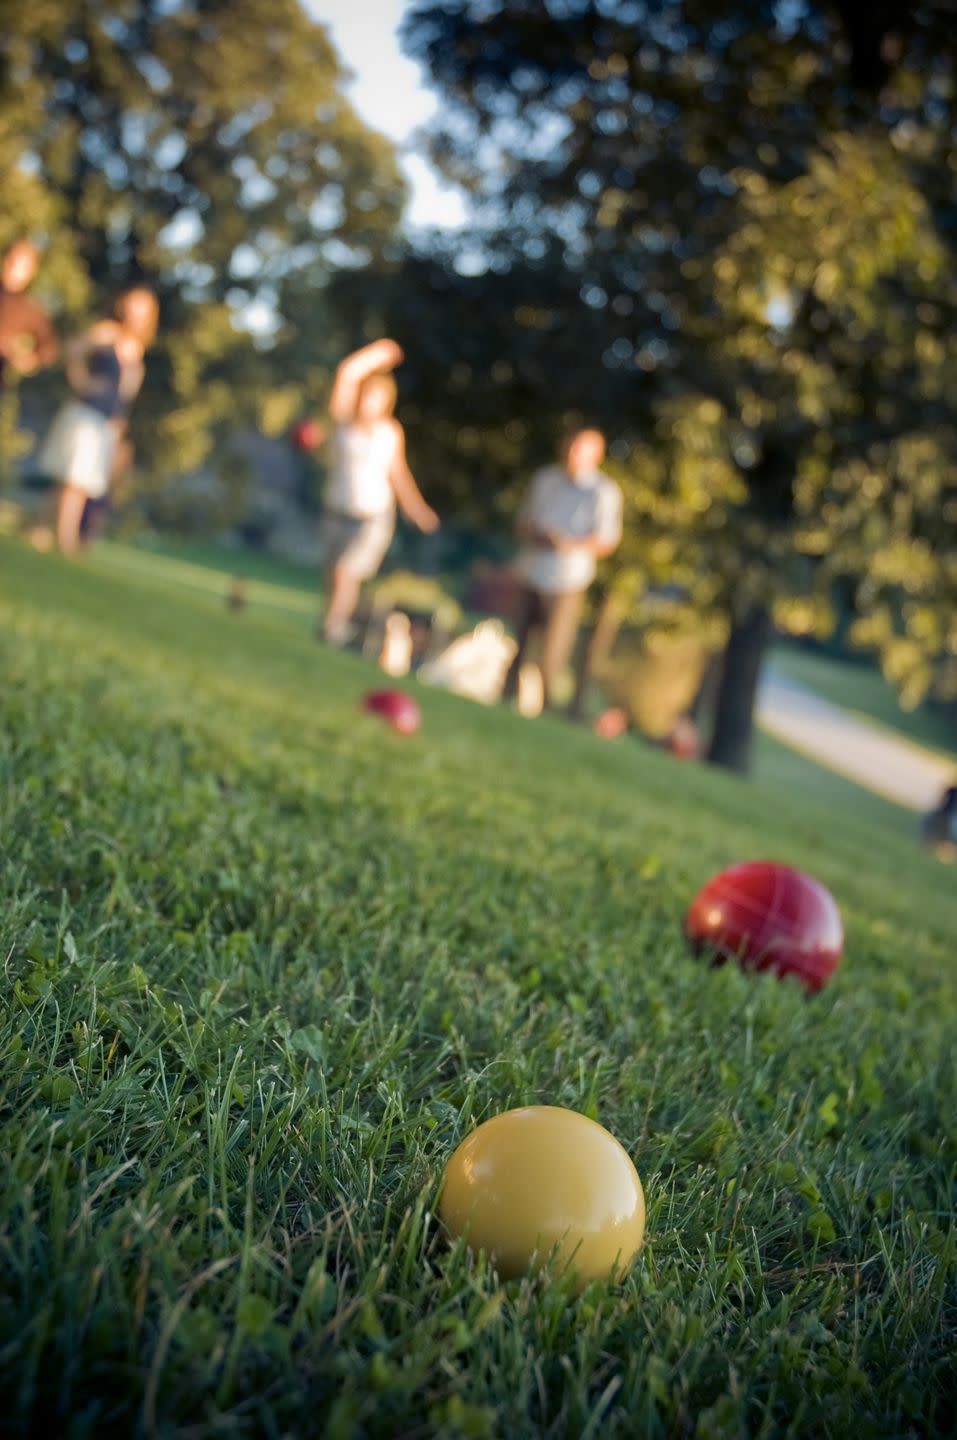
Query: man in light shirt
{"points": [[570, 518]]}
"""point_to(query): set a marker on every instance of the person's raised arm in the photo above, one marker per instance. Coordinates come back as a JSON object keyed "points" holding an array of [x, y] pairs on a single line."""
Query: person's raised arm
{"points": [[407, 492], [380, 355]]}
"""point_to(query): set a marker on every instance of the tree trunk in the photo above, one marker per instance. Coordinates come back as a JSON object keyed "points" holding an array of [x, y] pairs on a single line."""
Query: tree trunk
{"points": [[611, 613], [703, 704], [744, 654]]}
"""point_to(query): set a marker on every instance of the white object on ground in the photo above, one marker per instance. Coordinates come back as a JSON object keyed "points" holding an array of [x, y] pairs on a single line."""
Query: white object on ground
{"points": [[474, 665]]}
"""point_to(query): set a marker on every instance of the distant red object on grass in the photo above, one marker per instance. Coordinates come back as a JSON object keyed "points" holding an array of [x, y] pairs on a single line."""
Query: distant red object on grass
{"points": [[684, 742], [768, 917], [396, 709], [611, 723], [308, 435]]}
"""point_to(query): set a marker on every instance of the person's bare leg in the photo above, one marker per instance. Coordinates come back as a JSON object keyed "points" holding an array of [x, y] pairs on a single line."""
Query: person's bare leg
{"points": [[70, 518], [561, 628], [343, 599]]}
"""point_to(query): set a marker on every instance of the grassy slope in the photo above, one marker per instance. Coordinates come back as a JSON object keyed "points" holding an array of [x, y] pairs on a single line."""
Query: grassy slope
{"points": [[283, 589], [252, 564], [266, 963], [857, 687]]}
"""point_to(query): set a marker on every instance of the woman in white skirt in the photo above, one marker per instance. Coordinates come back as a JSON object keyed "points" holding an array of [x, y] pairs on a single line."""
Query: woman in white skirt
{"points": [[105, 370], [369, 474]]}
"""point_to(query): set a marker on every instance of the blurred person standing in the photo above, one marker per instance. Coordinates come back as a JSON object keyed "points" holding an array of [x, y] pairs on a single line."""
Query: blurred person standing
{"points": [[27, 338], [570, 518], [105, 368], [368, 475]]}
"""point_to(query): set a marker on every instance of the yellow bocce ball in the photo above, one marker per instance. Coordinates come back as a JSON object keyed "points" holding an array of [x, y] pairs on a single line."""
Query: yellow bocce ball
{"points": [[541, 1181]]}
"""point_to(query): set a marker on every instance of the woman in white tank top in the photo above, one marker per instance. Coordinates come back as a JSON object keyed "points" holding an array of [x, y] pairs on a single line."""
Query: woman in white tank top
{"points": [[369, 474], [359, 484]]}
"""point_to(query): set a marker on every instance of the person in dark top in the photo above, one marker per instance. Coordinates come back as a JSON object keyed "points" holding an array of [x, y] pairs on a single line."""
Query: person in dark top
{"points": [[27, 338], [105, 368]]}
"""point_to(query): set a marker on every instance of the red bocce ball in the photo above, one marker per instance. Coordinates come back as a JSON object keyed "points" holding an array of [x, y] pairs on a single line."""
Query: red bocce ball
{"points": [[396, 708], [308, 435], [611, 723], [768, 917]]}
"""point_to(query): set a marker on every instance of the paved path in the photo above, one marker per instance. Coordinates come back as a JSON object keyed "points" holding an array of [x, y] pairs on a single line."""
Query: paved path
{"points": [[864, 751]]}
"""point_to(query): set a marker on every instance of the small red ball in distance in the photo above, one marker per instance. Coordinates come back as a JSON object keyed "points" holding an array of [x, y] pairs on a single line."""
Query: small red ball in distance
{"points": [[308, 435], [768, 917], [396, 708], [611, 723]]}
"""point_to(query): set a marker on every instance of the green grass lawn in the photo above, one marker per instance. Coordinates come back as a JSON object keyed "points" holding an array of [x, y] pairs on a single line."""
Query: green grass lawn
{"points": [[249, 563], [266, 963], [856, 686], [283, 589]]}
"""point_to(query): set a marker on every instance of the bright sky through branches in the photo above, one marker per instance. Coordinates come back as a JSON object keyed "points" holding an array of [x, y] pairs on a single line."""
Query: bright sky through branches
{"points": [[389, 94]]}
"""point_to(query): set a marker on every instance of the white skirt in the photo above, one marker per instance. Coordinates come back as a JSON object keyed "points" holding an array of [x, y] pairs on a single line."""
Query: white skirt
{"points": [[79, 449]]}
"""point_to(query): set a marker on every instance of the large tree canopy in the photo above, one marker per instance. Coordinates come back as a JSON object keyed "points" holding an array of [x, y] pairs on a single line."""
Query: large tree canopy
{"points": [[758, 210], [206, 147]]}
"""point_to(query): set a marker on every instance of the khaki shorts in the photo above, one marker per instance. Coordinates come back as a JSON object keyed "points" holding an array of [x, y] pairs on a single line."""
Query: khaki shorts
{"points": [[357, 545]]}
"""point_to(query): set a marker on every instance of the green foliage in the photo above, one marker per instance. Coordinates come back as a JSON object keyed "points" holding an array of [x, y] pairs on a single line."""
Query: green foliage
{"points": [[746, 223], [865, 389], [266, 963]]}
